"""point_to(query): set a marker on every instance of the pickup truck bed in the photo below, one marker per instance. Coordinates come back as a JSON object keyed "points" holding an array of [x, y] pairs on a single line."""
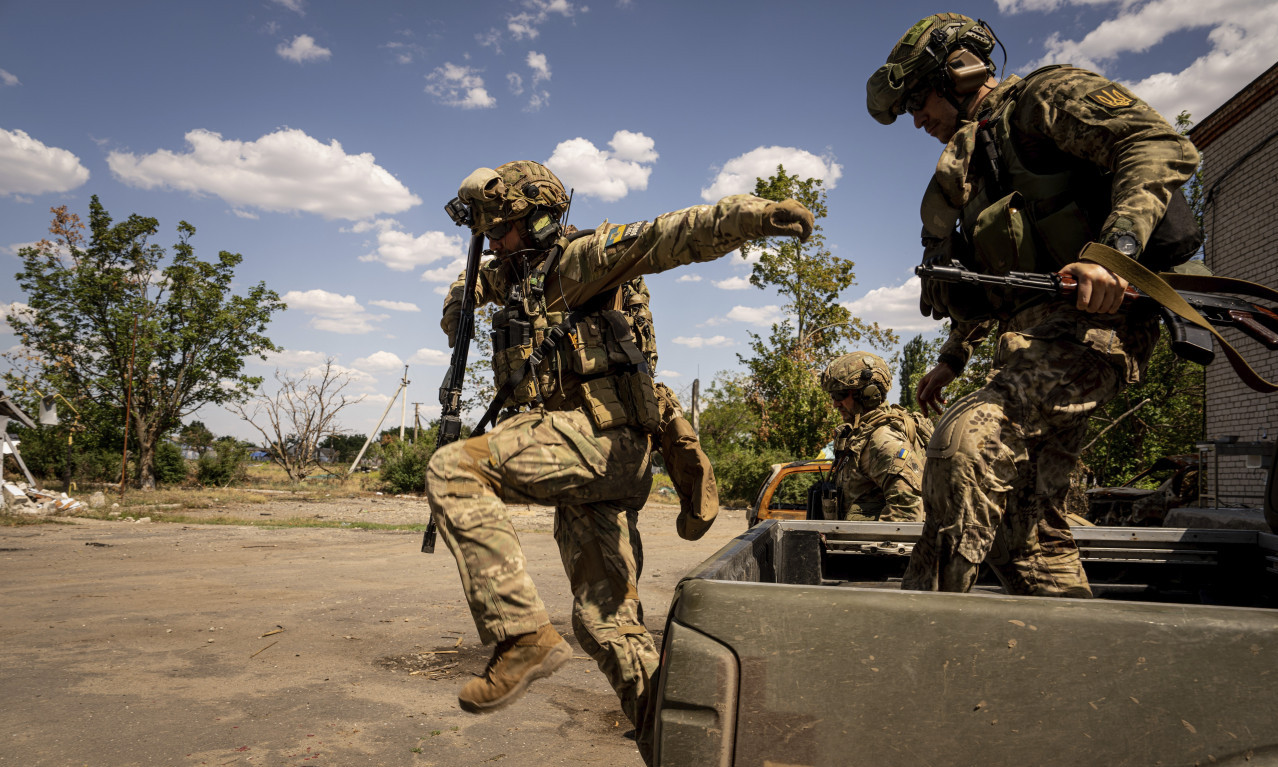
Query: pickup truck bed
{"points": [[794, 645]]}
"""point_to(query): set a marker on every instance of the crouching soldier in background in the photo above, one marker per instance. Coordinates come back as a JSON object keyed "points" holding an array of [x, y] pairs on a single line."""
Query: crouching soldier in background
{"points": [[879, 451]]}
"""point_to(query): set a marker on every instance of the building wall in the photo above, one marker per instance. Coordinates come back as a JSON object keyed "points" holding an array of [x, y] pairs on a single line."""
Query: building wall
{"points": [[1241, 223]]}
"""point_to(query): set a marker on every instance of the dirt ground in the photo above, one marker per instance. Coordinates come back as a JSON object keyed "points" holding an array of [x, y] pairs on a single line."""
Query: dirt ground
{"points": [[135, 643]]}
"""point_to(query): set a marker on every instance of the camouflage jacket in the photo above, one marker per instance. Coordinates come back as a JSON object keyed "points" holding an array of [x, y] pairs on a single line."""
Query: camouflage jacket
{"points": [[609, 263], [878, 466], [1065, 120]]}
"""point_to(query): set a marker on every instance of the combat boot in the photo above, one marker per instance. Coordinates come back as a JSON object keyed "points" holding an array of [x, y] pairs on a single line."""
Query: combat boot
{"points": [[516, 662]]}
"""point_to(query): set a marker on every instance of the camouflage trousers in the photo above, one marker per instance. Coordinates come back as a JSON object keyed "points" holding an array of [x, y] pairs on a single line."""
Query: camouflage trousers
{"points": [[597, 481], [999, 462]]}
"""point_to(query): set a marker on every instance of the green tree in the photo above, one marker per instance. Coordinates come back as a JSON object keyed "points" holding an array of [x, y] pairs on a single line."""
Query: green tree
{"points": [[730, 425], [795, 415], [917, 357], [133, 339], [196, 436]]}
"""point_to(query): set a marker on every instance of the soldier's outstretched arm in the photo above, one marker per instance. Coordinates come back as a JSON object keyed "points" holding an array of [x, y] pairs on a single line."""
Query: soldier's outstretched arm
{"points": [[702, 233]]}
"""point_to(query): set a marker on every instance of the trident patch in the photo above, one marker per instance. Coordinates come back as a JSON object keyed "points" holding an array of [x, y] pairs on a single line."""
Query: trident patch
{"points": [[1111, 97]]}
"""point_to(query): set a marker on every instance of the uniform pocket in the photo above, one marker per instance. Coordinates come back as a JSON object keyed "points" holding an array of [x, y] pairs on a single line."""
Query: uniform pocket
{"points": [[1003, 238], [643, 400], [513, 362], [603, 404]]}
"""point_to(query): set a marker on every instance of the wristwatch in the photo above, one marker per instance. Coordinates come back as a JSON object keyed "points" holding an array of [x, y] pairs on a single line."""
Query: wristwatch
{"points": [[1120, 238], [1125, 243]]}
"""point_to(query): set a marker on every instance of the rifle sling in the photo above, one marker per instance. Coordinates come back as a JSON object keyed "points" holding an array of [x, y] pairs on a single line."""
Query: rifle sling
{"points": [[1160, 288]]}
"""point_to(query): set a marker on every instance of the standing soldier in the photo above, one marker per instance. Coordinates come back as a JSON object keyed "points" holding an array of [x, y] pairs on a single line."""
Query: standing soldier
{"points": [[1033, 170], [878, 451], [583, 440]]}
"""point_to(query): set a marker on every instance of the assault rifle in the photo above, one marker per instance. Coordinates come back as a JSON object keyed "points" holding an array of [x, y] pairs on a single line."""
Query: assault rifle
{"points": [[450, 391], [1189, 341]]}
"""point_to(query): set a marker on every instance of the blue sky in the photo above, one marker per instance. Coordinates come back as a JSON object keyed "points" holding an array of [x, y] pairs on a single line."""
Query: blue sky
{"points": [[321, 140]]}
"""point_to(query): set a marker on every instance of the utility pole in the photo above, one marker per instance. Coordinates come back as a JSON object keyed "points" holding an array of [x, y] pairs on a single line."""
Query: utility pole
{"points": [[417, 420], [403, 408]]}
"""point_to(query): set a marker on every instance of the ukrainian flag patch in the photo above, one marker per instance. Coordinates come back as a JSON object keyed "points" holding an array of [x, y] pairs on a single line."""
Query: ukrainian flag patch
{"points": [[902, 453], [619, 234]]}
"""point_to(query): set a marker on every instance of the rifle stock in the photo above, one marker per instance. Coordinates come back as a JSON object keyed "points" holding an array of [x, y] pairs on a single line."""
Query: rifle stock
{"points": [[450, 391]]}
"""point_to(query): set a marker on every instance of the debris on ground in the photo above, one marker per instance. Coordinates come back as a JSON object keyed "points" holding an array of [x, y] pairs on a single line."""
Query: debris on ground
{"points": [[21, 498]]}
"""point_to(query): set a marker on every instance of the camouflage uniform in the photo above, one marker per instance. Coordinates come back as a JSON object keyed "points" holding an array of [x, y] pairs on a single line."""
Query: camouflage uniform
{"points": [[999, 462], [586, 446], [878, 466]]}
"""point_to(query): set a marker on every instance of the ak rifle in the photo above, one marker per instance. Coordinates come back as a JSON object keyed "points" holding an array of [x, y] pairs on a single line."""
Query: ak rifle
{"points": [[1188, 341], [450, 391]]}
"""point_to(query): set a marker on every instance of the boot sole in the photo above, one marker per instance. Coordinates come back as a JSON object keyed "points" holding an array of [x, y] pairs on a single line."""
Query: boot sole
{"points": [[553, 660]]}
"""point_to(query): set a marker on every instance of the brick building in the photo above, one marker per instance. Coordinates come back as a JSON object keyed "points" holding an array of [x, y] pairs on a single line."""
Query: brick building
{"points": [[1239, 145]]}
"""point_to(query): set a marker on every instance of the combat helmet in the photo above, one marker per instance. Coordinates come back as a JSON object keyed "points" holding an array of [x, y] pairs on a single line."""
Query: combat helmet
{"points": [[864, 374], [946, 51], [510, 192]]}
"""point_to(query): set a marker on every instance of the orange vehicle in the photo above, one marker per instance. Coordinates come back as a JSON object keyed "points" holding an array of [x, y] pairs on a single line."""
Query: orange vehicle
{"points": [[784, 494]]}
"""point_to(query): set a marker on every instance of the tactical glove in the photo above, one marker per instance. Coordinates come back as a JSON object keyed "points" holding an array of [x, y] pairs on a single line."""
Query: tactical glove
{"points": [[787, 218]]}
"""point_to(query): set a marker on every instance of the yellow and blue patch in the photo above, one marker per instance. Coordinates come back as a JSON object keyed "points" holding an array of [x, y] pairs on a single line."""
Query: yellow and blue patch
{"points": [[902, 453], [618, 234]]}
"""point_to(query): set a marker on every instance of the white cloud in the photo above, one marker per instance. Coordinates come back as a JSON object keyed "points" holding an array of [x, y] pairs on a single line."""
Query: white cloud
{"points": [[445, 273], [537, 100], [16, 309], [396, 306], [1240, 36], [7, 79], [303, 49], [516, 83], [296, 6], [669, 374], [633, 147], [761, 316], [896, 308], [379, 361], [292, 360], [689, 278], [698, 342], [426, 356], [401, 251], [17, 246], [739, 174], [459, 86], [734, 283], [539, 66], [524, 25], [603, 174], [284, 171], [29, 167], [333, 312], [490, 39]]}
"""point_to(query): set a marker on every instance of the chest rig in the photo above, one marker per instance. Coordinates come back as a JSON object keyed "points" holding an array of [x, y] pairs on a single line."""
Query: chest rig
{"points": [[589, 358], [1035, 214], [1026, 220]]}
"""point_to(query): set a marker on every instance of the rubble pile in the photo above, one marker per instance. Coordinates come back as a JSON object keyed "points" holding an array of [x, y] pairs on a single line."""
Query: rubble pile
{"points": [[21, 498]]}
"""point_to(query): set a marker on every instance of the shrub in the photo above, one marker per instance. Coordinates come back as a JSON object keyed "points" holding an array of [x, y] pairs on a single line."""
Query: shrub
{"points": [[224, 464], [740, 471], [404, 466], [170, 466]]}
